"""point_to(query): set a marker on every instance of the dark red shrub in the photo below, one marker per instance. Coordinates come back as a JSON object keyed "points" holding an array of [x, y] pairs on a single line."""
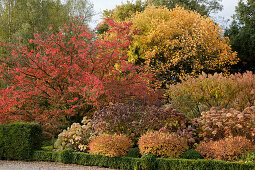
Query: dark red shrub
{"points": [[136, 118]]}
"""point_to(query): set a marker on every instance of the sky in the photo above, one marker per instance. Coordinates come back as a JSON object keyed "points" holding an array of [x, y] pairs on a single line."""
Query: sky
{"points": [[221, 18]]}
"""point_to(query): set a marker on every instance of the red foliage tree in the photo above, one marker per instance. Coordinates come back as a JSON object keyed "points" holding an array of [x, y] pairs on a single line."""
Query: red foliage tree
{"points": [[68, 71]]}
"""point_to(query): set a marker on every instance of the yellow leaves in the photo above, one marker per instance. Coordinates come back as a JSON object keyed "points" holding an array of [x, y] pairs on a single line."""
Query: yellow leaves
{"points": [[110, 145], [184, 39], [162, 144], [117, 67]]}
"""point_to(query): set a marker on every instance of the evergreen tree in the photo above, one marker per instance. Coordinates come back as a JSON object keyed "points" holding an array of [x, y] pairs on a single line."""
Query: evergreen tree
{"points": [[242, 35]]}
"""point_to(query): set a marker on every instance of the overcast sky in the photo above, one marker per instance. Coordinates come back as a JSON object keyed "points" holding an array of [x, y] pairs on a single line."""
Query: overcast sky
{"points": [[228, 10]]}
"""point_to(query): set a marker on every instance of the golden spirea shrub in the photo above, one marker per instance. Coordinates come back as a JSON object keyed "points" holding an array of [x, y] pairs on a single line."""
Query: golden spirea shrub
{"points": [[110, 145], [217, 123], [162, 144], [229, 149], [75, 137]]}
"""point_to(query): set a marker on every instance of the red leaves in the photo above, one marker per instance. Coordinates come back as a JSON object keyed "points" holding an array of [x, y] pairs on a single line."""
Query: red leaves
{"points": [[67, 71]]}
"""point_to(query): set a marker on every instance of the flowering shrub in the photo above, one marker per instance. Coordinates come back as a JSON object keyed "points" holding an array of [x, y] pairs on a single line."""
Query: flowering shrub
{"points": [[162, 144], [230, 148], [194, 95], [190, 133], [216, 124], [110, 145], [136, 118], [76, 137], [181, 126]]}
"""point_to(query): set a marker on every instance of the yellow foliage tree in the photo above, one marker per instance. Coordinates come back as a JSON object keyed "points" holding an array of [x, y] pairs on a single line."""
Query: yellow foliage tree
{"points": [[178, 42]]}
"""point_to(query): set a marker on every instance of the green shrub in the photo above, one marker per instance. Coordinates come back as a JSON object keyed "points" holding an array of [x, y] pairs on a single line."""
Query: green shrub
{"points": [[103, 161], [149, 162], [248, 157], [134, 153], [43, 156], [47, 148], [19, 140], [66, 156], [200, 164], [56, 157], [191, 154]]}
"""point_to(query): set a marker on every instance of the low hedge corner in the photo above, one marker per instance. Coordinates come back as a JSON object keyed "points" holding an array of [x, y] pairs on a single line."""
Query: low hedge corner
{"points": [[19, 140]]}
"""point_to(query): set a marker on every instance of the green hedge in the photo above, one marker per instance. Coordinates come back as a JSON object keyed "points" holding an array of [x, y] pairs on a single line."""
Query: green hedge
{"points": [[203, 164], [80, 158], [19, 140], [146, 162]]}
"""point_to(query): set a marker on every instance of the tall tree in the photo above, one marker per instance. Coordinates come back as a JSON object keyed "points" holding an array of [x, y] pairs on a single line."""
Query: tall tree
{"points": [[242, 35], [81, 8], [66, 73], [204, 7], [121, 12], [178, 42], [22, 18]]}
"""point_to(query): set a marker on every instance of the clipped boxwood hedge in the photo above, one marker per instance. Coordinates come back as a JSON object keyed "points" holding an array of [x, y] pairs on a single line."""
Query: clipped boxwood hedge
{"points": [[19, 140], [200, 164], [68, 156]]}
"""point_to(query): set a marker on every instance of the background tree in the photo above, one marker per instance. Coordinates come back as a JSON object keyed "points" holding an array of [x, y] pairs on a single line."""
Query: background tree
{"points": [[21, 18], [242, 35], [126, 10], [204, 7], [80, 8], [121, 12], [176, 43]]}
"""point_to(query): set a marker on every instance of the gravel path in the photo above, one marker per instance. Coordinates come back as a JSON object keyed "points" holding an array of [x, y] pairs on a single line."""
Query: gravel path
{"points": [[19, 165]]}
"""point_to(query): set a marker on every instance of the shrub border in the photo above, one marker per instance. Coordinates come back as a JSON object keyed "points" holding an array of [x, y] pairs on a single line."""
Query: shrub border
{"points": [[80, 158]]}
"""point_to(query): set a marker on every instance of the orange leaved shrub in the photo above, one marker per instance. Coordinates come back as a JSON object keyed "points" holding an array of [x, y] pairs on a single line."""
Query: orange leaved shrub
{"points": [[229, 149], [110, 145], [162, 144], [217, 124]]}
